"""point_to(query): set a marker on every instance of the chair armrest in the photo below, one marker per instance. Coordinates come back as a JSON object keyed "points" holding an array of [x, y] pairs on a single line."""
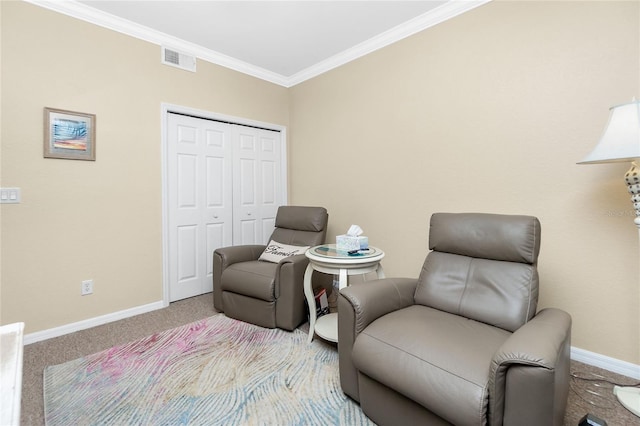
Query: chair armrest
{"points": [[236, 254], [289, 290], [290, 270], [533, 364], [368, 301], [295, 259], [358, 306], [226, 256]]}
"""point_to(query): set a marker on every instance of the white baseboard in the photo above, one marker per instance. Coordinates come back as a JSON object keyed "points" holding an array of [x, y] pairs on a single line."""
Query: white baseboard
{"points": [[591, 358], [91, 322], [611, 364]]}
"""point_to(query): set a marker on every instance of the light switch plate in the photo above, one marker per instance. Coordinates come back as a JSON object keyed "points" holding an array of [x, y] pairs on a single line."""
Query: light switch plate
{"points": [[9, 195]]}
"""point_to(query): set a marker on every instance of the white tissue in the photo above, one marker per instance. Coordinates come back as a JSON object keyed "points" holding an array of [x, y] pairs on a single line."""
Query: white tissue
{"points": [[354, 231]]}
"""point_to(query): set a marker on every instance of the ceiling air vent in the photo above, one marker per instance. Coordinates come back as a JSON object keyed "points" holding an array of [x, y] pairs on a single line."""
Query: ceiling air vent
{"points": [[178, 59]]}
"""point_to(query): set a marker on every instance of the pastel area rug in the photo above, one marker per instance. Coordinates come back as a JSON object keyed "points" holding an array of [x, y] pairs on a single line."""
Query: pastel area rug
{"points": [[217, 371]]}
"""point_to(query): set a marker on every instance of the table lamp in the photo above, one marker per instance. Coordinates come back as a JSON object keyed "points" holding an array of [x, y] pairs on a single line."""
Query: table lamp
{"points": [[620, 142]]}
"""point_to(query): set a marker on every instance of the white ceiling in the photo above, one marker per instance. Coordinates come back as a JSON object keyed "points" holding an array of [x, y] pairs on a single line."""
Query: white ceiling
{"points": [[285, 42]]}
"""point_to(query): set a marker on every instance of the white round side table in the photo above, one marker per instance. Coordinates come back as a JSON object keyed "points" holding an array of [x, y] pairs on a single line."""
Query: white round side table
{"points": [[325, 258]]}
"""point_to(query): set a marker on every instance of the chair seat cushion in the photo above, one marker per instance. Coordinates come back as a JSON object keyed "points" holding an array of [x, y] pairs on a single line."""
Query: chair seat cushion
{"points": [[437, 359], [253, 279]]}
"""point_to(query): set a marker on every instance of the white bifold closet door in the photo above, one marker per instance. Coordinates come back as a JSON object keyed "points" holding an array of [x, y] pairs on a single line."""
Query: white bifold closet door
{"points": [[224, 188]]}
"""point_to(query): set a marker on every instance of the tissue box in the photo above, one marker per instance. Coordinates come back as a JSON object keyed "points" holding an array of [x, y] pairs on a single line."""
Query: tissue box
{"points": [[349, 243]]}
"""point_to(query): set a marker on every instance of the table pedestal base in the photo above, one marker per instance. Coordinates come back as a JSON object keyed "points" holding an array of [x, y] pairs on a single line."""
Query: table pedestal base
{"points": [[326, 327]]}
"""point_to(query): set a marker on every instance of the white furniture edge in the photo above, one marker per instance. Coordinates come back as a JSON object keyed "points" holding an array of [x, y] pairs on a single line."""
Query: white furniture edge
{"points": [[326, 327], [11, 373], [91, 322]]}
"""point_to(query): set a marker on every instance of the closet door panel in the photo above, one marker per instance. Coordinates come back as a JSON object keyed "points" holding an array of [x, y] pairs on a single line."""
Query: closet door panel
{"points": [[187, 253], [199, 199], [224, 186], [215, 239], [270, 182], [247, 229]]}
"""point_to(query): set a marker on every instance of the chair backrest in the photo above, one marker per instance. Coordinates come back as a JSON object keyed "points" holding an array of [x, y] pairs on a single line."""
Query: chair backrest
{"points": [[301, 226], [483, 267]]}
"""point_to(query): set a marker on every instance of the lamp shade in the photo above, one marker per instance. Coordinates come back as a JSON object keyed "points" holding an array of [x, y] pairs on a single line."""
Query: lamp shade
{"points": [[621, 138]]}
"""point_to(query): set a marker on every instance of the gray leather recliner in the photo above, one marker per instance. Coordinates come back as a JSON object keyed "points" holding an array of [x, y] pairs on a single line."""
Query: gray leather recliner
{"points": [[263, 293], [463, 343]]}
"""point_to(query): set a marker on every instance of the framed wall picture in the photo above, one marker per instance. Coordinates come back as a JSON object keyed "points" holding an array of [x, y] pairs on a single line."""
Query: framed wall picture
{"points": [[70, 135]]}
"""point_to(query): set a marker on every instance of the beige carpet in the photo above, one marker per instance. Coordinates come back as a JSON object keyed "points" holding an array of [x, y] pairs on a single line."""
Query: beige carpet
{"points": [[65, 348]]}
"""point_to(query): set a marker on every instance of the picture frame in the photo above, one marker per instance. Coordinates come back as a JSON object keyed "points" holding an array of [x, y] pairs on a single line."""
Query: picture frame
{"points": [[69, 135]]}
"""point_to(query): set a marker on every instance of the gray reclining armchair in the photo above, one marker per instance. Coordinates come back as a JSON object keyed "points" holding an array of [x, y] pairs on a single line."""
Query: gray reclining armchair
{"points": [[265, 293], [462, 344]]}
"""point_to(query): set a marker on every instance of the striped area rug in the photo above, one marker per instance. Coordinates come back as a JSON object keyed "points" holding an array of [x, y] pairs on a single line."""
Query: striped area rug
{"points": [[217, 371]]}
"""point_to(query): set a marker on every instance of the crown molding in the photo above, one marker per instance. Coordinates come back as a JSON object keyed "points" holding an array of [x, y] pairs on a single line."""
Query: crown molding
{"points": [[435, 16], [440, 14], [85, 13]]}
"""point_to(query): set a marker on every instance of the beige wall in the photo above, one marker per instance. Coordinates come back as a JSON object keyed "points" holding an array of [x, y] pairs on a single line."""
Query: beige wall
{"points": [[488, 112], [102, 219]]}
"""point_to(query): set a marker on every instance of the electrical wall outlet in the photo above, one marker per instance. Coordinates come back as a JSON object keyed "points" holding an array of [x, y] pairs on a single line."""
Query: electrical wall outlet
{"points": [[87, 287]]}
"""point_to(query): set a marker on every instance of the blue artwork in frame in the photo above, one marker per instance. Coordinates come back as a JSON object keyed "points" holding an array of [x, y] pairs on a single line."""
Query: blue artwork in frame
{"points": [[69, 135]]}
